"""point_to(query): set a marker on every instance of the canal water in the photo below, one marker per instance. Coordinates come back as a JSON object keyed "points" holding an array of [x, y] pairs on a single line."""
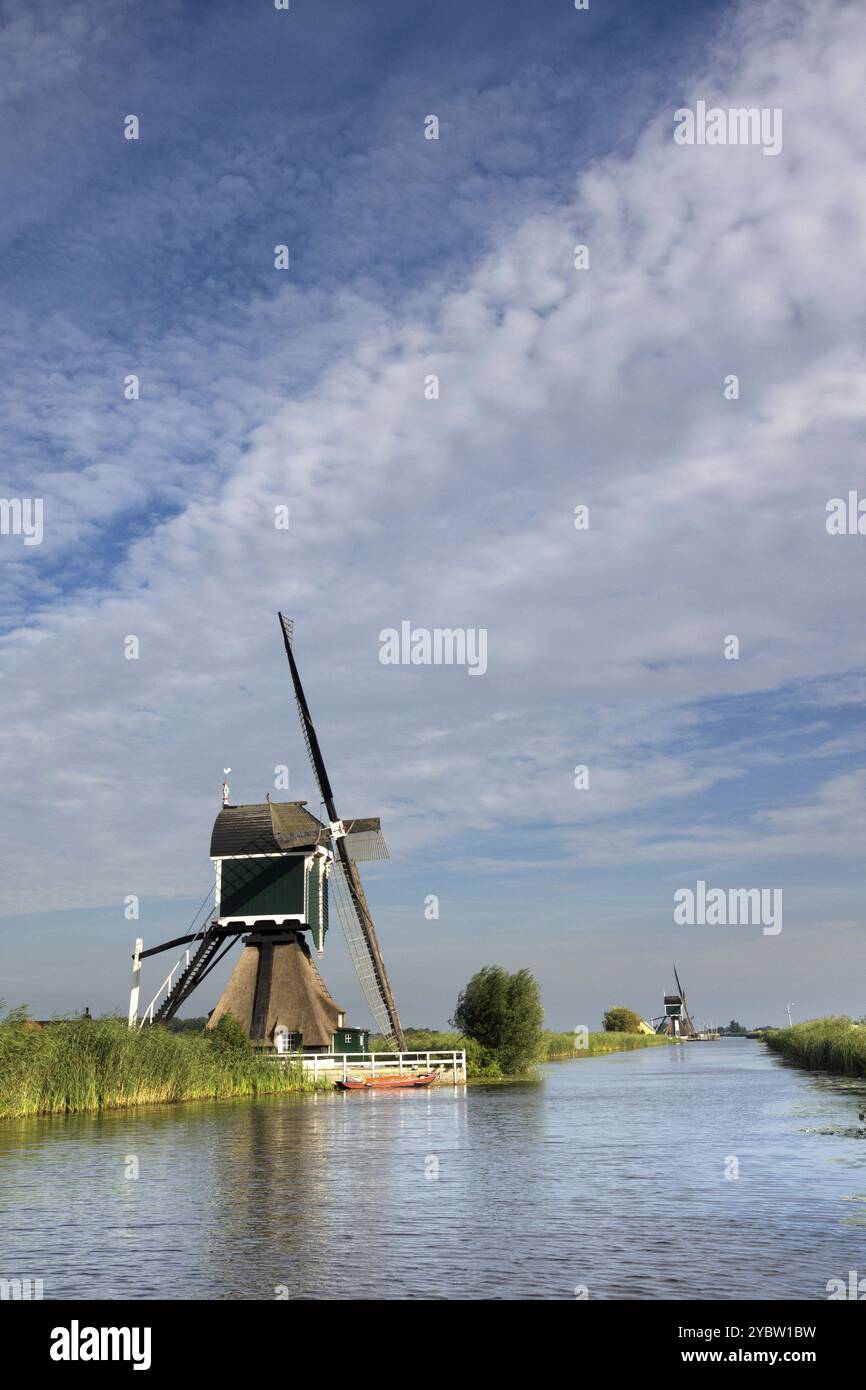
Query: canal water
{"points": [[607, 1176]]}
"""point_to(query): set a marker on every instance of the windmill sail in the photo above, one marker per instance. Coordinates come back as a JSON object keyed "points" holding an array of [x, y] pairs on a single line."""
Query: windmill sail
{"points": [[365, 841], [685, 1005], [363, 958]]}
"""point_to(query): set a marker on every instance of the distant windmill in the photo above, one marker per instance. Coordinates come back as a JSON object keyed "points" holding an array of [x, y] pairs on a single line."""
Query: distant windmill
{"points": [[676, 1020], [690, 1027]]}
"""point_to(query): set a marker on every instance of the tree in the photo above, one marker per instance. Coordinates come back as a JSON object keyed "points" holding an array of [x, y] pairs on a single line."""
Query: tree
{"points": [[735, 1027], [229, 1037], [503, 1012], [622, 1020]]}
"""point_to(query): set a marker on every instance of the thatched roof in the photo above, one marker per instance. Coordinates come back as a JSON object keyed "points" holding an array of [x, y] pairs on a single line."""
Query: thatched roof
{"points": [[299, 998], [267, 827]]}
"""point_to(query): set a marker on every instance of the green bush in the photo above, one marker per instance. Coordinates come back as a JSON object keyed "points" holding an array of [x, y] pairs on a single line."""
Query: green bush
{"points": [[622, 1020], [503, 1014], [229, 1037]]}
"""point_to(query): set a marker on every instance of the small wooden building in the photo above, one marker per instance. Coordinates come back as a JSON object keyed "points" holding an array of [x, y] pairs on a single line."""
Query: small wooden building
{"points": [[350, 1040]]}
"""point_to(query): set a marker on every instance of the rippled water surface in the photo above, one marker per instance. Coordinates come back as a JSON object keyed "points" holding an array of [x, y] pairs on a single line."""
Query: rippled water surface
{"points": [[609, 1173]]}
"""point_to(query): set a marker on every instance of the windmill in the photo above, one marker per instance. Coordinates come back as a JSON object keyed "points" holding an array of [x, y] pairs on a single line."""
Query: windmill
{"points": [[274, 865], [676, 1020]]}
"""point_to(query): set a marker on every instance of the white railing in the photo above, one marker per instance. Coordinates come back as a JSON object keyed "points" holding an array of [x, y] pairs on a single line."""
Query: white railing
{"points": [[196, 936], [147, 1016], [346, 1064]]}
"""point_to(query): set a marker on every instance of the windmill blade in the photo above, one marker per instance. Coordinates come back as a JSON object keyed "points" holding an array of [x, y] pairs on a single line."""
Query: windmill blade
{"points": [[352, 906], [364, 840], [307, 726], [683, 997], [360, 934], [365, 849]]}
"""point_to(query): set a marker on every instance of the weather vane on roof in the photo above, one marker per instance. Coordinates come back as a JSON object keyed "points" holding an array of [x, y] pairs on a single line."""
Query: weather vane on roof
{"points": [[226, 771]]}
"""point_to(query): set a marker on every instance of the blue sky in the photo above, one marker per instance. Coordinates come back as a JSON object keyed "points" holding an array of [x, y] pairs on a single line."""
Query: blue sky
{"points": [[557, 387]]}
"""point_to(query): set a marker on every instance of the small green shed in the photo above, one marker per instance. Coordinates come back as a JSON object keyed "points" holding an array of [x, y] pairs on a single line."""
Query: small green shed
{"points": [[350, 1040]]}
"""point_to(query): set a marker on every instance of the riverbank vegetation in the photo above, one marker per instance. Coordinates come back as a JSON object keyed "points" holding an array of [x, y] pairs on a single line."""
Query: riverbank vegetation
{"points": [[96, 1064], [483, 1064], [561, 1046], [823, 1044], [499, 1023]]}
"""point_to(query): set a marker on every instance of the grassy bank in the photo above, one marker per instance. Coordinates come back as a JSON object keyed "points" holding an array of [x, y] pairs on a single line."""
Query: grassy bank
{"points": [[555, 1047], [99, 1064], [560, 1046], [824, 1044]]}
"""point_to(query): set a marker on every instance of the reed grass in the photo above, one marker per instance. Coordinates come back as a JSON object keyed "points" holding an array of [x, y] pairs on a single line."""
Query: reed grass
{"points": [[96, 1064], [560, 1047], [823, 1044]]}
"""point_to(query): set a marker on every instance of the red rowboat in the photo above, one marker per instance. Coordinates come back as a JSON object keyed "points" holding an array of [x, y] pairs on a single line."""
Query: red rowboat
{"points": [[387, 1083]]}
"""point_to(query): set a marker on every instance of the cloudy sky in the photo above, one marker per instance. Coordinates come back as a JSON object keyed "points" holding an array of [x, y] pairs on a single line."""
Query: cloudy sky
{"points": [[558, 387]]}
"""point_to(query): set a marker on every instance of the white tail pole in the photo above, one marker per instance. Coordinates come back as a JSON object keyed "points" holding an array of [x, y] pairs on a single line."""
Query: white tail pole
{"points": [[136, 983]]}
